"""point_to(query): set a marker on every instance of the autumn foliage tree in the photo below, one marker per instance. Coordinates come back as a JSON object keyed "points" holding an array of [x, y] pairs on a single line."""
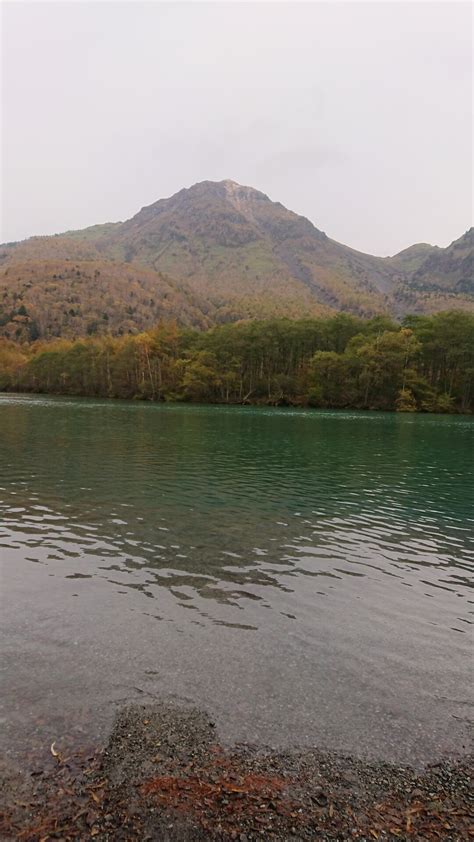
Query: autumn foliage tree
{"points": [[427, 364]]}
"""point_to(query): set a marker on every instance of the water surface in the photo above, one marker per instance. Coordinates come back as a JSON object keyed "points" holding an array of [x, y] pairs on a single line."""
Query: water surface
{"points": [[304, 575]]}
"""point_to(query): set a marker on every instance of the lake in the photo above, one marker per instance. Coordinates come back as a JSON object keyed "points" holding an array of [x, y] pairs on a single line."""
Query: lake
{"points": [[305, 576]]}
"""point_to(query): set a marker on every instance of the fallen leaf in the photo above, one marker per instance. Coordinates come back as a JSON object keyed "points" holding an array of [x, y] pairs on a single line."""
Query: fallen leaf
{"points": [[55, 753]]}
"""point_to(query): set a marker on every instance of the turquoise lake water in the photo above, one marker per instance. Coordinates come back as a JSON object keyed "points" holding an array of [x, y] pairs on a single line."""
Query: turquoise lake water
{"points": [[304, 575]]}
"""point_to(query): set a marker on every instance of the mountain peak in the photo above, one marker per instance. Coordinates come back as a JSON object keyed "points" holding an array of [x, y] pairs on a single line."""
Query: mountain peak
{"points": [[207, 192], [227, 189]]}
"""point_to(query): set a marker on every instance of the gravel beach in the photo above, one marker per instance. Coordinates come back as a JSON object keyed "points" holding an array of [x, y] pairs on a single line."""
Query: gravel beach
{"points": [[164, 775]]}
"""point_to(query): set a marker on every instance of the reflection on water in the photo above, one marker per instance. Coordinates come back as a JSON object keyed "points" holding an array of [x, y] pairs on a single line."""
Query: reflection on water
{"points": [[245, 513]]}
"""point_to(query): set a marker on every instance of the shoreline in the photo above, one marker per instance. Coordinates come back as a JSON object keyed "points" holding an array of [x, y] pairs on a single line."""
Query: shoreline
{"points": [[261, 404], [163, 774]]}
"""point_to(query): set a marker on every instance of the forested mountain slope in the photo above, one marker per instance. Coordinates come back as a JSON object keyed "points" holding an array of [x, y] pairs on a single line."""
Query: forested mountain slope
{"points": [[216, 252], [57, 297]]}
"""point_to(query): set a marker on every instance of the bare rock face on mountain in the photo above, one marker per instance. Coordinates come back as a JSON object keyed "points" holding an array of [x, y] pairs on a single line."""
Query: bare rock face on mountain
{"points": [[218, 252]]}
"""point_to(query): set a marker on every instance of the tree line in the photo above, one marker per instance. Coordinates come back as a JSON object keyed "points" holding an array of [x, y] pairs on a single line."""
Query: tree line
{"points": [[426, 363]]}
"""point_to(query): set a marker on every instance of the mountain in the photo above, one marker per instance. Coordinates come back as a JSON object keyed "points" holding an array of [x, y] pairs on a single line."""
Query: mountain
{"points": [[234, 243], [411, 258], [448, 269], [435, 278], [212, 253]]}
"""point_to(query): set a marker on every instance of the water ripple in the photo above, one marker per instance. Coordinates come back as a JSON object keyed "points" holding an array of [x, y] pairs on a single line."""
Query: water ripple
{"points": [[167, 496]]}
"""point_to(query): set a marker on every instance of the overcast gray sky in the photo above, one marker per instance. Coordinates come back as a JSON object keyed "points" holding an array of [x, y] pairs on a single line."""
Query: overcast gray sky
{"points": [[355, 115]]}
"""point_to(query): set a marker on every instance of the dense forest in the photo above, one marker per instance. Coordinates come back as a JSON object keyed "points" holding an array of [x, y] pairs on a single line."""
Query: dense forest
{"points": [[424, 364]]}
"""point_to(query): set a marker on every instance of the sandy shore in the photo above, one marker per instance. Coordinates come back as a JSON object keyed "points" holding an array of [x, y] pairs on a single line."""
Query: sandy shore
{"points": [[163, 775]]}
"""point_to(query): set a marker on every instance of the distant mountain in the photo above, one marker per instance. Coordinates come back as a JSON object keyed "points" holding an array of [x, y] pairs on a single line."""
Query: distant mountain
{"points": [[448, 269], [436, 278], [216, 252], [233, 243], [410, 259]]}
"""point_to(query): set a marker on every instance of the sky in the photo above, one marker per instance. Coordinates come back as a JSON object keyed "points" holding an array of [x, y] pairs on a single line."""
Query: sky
{"points": [[356, 115]]}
